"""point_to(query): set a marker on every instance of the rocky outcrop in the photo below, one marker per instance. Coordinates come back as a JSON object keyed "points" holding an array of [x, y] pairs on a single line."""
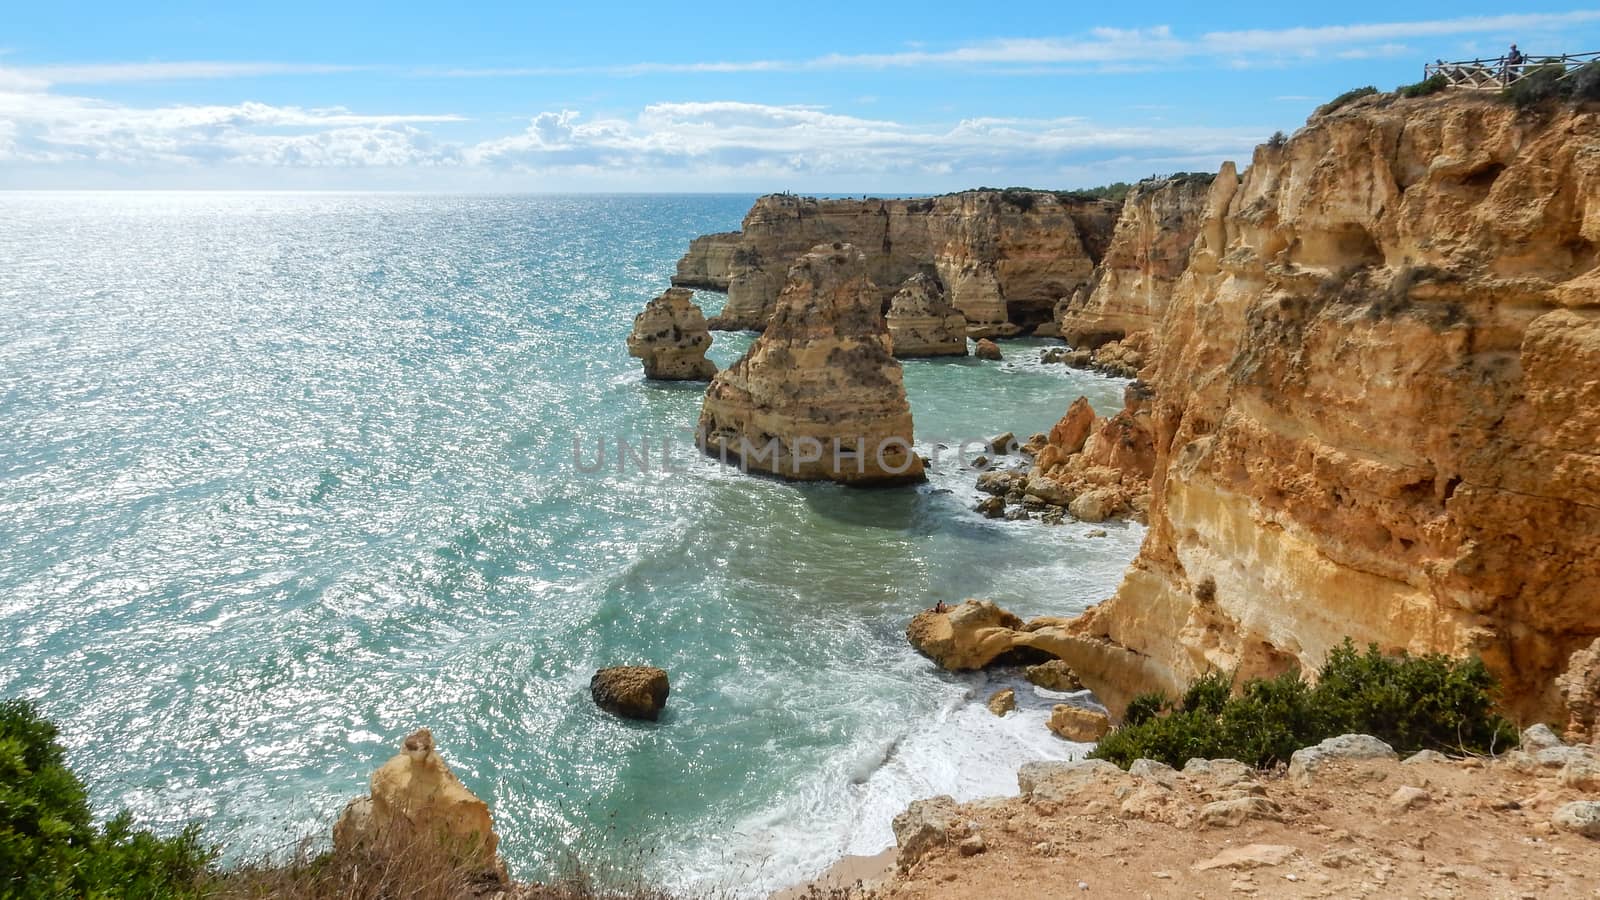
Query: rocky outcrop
{"points": [[671, 338], [1093, 468], [632, 692], [1579, 687], [1004, 257], [988, 349], [818, 396], [922, 323], [1074, 723], [415, 797], [708, 262], [1376, 407], [1148, 253]]}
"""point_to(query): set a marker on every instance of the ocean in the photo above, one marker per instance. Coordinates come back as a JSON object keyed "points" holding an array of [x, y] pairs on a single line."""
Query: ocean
{"points": [[286, 476]]}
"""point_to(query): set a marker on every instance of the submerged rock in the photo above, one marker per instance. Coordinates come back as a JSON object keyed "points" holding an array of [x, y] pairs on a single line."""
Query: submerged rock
{"points": [[671, 338], [922, 323], [415, 796], [633, 692], [818, 396]]}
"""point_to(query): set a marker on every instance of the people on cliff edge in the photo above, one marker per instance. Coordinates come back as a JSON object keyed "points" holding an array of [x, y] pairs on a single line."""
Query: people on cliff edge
{"points": [[1514, 61]]}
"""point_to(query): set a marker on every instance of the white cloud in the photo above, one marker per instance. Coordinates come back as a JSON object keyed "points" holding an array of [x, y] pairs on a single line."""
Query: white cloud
{"points": [[1111, 49], [115, 73]]}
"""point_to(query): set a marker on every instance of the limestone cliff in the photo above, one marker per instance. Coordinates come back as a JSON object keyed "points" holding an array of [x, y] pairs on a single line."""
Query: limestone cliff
{"points": [[708, 262], [1005, 257], [671, 339], [1149, 252], [818, 396], [1377, 407], [922, 323]]}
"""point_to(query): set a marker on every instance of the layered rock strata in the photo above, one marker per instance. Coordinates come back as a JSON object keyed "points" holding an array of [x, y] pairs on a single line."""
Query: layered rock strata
{"points": [[818, 396], [1004, 257], [709, 261], [671, 339], [922, 323], [1148, 253], [1377, 407]]}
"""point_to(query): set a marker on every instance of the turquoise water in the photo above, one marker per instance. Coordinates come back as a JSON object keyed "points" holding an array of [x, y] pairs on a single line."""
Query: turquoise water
{"points": [[284, 476]]}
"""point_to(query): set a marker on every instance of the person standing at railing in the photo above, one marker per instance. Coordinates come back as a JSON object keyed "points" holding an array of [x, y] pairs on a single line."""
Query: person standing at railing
{"points": [[1513, 66]]}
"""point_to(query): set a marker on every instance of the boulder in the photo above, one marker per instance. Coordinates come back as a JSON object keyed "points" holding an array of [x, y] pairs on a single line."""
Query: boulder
{"points": [[1074, 723], [922, 323], [818, 396], [923, 827], [965, 638], [671, 338], [1579, 817], [1053, 675], [1249, 856], [1304, 763], [1407, 797], [1060, 782], [1003, 701], [1235, 812], [1579, 687], [1538, 737], [992, 507], [414, 796], [1074, 428], [1582, 775], [633, 692], [1001, 444], [987, 349], [1096, 504]]}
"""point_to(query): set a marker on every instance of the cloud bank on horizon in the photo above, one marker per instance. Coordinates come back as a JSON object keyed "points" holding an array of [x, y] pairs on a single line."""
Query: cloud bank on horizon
{"points": [[164, 124]]}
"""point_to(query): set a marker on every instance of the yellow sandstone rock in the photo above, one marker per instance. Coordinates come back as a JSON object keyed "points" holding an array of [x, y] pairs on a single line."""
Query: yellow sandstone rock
{"points": [[818, 396], [413, 797], [671, 338]]}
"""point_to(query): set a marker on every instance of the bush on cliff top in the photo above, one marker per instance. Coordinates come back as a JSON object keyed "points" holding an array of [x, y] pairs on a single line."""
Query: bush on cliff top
{"points": [[1552, 82], [1345, 98], [1431, 702], [1424, 87], [49, 843]]}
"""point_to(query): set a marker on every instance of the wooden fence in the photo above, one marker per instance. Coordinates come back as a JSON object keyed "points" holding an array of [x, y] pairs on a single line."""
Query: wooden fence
{"points": [[1497, 73]]}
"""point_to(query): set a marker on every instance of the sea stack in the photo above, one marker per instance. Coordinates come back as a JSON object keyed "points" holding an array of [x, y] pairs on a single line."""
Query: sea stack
{"points": [[671, 338], [818, 396], [923, 323]]}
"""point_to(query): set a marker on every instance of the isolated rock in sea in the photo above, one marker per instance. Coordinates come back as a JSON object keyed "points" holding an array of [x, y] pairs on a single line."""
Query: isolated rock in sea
{"points": [[818, 396], [1004, 257], [1148, 253], [969, 636], [708, 262], [1003, 701], [1376, 398], [671, 338], [1054, 675], [922, 323], [413, 797], [633, 692], [987, 349], [1074, 723]]}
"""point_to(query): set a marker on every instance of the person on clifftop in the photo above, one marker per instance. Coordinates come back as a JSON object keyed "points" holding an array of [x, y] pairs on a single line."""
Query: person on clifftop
{"points": [[1514, 61]]}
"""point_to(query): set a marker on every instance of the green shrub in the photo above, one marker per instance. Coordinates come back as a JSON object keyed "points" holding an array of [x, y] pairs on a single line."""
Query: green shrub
{"points": [[1278, 140], [1347, 97], [1586, 82], [1424, 87], [49, 844], [1539, 86], [1412, 702]]}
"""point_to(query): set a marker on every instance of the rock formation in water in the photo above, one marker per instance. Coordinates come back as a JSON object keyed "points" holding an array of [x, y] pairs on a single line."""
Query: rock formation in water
{"points": [[671, 338], [923, 323], [1004, 257], [708, 262], [414, 797], [1148, 253], [988, 349], [633, 692], [818, 396], [1377, 408]]}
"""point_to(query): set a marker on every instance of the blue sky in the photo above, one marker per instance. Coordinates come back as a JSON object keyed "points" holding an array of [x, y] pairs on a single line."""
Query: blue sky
{"points": [[881, 96]]}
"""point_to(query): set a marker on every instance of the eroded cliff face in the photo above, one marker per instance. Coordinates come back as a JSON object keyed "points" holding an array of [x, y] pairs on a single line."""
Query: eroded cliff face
{"points": [[818, 396], [670, 337], [1377, 407], [706, 265], [1005, 257], [923, 323], [1148, 253]]}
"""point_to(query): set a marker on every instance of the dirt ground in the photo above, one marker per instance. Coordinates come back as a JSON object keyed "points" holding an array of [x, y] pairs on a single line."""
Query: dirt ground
{"points": [[1428, 828]]}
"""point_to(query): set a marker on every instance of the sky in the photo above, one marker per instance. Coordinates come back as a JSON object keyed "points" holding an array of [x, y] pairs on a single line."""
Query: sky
{"points": [[881, 96]]}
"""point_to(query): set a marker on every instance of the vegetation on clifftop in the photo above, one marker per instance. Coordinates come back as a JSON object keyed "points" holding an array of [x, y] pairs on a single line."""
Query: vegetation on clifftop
{"points": [[1431, 702]]}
